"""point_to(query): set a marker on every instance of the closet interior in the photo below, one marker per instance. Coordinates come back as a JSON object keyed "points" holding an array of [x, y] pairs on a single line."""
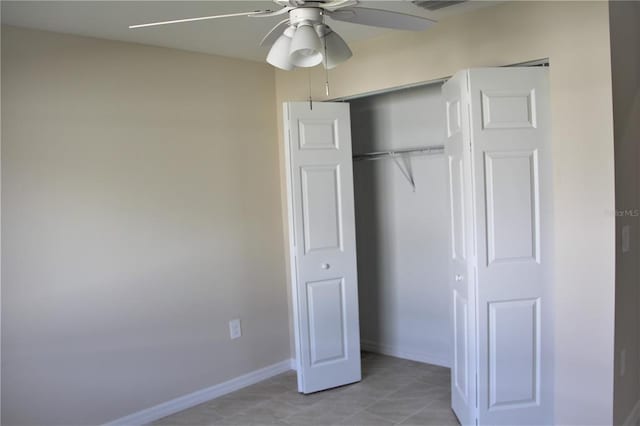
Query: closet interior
{"points": [[401, 221]]}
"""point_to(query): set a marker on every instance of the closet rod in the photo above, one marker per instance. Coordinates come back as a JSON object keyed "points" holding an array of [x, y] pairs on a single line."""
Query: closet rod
{"points": [[431, 149]]}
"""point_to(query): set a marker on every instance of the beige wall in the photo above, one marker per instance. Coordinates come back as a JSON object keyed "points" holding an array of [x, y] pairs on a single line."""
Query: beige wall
{"points": [[625, 64], [140, 214], [575, 37]]}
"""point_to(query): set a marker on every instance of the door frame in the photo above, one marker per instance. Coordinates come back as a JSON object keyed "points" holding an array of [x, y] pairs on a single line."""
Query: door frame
{"points": [[532, 63]]}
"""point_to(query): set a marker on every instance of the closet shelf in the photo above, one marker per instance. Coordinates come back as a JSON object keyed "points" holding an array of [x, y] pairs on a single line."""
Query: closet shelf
{"points": [[405, 168], [430, 149]]}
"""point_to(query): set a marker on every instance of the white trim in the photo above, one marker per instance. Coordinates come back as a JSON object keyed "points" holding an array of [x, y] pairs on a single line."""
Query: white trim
{"points": [[438, 81], [380, 348], [198, 397], [634, 416]]}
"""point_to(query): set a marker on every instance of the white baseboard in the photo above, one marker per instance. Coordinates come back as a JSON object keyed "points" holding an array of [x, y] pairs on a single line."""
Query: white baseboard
{"points": [[370, 346], [191, 400], [634, 416]]}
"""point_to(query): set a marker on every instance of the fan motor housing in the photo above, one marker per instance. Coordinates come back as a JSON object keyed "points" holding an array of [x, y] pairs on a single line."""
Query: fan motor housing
{"points": [[310, 15]]}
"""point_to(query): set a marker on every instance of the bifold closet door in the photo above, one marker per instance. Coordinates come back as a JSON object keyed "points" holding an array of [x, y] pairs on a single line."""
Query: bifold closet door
{"points": [[509, 265], [461, 248], [322, 244]]}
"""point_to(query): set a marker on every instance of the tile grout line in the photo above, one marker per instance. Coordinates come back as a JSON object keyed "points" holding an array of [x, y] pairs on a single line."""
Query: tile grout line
{"points": [[385, 397]]}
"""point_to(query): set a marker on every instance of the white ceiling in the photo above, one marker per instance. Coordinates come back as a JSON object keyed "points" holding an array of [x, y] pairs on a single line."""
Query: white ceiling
{"points": [[235, 37]]}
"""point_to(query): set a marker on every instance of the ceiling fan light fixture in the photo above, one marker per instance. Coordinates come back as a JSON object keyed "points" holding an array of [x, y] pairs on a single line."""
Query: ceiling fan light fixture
{"points": [[279, 54], [308, 41], [337, 50], [306, 47]]}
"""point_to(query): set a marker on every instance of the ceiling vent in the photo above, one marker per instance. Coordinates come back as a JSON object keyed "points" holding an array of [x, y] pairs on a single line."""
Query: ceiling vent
{"points": [[436, 4]]}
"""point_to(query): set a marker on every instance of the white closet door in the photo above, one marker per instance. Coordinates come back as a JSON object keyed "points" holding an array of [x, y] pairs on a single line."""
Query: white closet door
{"points": [[323, 245], [461, 249], [510, 130]]}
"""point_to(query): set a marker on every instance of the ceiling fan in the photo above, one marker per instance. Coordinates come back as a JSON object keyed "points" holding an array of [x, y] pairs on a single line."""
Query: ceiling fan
{"points": [[304, 40]]}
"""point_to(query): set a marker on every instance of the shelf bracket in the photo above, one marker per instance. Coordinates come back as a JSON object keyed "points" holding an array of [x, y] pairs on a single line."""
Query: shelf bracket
{"points": [[405, 169]]}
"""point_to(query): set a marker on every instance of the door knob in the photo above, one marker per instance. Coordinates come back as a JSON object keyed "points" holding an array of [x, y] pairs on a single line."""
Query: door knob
{"points": [[459, 277], [325, 266]]}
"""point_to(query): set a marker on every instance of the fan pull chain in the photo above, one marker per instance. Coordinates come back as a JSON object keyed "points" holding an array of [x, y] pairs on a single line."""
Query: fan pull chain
{"points": [[310, 98], [326, 69]]}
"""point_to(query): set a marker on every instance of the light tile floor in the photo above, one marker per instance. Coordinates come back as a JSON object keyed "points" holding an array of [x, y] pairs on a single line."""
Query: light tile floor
{"points": [[393, 391]]}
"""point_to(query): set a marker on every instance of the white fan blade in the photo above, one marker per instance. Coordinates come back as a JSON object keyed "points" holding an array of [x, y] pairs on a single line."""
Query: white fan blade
{"points": [[337, 4], [381, 18], [270, 13], [201, 18], [275, 32]]}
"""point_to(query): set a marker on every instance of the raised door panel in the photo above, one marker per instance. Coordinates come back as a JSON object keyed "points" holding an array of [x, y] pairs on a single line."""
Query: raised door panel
{"points": [[318, 134], [326, 311], [321, 208], [456, 210], [511, 190], [508, 109], [461, 345], [514, 354], [454, 117]]}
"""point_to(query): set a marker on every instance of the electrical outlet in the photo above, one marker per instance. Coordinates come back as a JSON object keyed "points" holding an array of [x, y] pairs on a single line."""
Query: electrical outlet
{"points": [[623, 361], [235, 330]]}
